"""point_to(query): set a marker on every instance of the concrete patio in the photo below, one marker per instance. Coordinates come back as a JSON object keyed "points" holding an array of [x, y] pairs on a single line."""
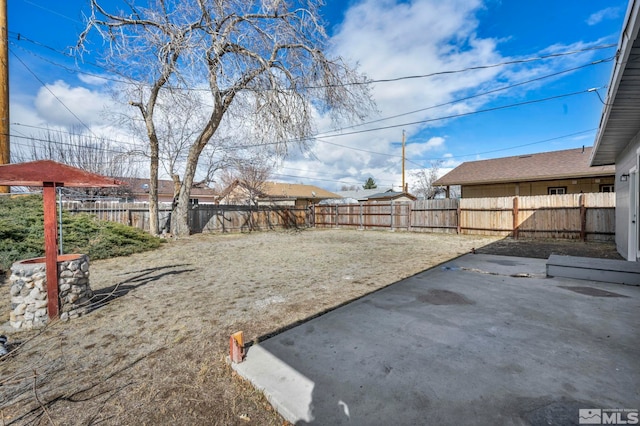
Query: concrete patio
{"points": [[482, 339]]}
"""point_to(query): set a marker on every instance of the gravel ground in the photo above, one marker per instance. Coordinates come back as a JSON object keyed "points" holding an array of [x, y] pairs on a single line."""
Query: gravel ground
{"points": [[153, 351]]}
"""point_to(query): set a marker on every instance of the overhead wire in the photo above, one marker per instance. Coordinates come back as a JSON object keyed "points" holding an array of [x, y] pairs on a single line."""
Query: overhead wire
{"points": [[44, 85], [20, 37], [463, 114], [488, 92], [323, 135]]}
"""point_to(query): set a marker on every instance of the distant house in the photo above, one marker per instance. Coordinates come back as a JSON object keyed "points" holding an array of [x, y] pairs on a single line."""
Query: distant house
{"points": [[391, 196], [548, 173], [276, 194], [362, 195], [618, 138], [138, 190]]}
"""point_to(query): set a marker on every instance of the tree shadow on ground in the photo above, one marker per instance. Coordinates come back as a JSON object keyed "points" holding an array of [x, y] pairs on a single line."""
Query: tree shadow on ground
{"points": [[141, 278]]}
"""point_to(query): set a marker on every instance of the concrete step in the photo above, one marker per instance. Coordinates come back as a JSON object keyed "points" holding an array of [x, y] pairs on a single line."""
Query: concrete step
{"points": [[591, 269]]}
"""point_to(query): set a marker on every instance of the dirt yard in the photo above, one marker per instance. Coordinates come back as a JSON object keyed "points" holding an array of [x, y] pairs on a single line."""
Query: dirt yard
{"points": [[153, 351]]}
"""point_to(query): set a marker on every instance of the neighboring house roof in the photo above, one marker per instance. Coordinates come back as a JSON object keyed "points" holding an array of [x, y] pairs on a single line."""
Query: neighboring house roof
{"points": [[566, 164], [391, 195], [165, 188], [361, 194], [619, 122], [295, 190]]}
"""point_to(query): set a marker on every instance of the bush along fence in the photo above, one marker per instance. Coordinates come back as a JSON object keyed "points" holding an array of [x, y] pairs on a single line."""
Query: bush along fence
{"points": [[202, 217], [588, 217]]}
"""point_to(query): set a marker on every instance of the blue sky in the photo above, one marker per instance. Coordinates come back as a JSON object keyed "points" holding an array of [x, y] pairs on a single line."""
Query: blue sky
{"points": [[388, 39]]}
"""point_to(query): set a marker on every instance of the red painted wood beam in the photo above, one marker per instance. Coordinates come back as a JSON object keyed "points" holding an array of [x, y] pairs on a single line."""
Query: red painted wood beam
{"points": [[51, 247]]}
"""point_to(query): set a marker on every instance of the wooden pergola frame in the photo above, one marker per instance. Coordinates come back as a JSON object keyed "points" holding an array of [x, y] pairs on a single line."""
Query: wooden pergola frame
{"points": [[50, 175]]}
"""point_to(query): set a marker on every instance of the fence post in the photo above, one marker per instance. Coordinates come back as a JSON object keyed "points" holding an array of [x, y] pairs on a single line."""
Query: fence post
{"points": [[409, 215], [336, 216], [516, 225], [361, 216], [392, 215], [313, 216], [583, 219], [459, 218]]}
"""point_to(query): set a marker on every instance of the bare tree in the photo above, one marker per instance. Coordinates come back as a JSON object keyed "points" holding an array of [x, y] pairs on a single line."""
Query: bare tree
{"points": [[262, 61], [253, 176], [84, 151], [248, 176], [425, 178]]}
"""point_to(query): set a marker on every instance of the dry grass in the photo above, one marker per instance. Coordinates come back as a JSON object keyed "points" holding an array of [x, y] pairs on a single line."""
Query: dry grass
{"points": [[153, 351]]}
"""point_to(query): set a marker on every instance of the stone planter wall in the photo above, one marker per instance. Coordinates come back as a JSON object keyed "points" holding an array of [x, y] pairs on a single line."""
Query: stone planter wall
{"points": [[29, 290]]}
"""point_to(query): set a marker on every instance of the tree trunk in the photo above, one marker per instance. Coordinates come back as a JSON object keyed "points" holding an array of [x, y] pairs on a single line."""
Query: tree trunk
{"points": [[180, 217], [153, 197]]}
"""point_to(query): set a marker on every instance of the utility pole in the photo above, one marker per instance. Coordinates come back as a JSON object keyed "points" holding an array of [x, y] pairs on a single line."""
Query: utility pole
{"points": [[403, 184], [5, 151]]}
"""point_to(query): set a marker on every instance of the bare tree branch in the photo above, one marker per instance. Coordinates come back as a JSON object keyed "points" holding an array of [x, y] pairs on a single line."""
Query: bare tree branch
{"points": [[264, 64]]}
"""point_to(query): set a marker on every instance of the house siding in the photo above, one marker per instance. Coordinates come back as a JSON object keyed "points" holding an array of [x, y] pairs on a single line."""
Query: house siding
{"points": [[625, 161], [574, 186]]}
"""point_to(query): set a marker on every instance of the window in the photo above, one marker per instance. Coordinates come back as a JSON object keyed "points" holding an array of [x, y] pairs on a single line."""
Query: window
{"points": [[607, 188], [557, 190]]}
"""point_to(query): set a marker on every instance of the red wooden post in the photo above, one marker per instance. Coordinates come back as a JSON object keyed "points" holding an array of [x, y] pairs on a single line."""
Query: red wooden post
{"points": [[51, 247]]}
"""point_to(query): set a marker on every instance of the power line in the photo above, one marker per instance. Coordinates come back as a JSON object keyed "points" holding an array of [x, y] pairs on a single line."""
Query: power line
{"points": [[474, 68], [20, 37], [65, 132], [464, 114], [52, 11], [460, 156], [509, 148], [50, 91], [555, 74], [499, 89], [320, 139]]}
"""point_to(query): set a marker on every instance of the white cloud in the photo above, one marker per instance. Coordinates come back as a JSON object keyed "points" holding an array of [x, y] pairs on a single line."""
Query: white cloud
{"points": [[601, 15], [390, 39], [93, 80], [64, 105]]}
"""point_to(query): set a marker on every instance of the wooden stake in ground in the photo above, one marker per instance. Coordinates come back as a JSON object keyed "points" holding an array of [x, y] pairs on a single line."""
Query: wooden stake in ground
{"points": [[236, 347]]}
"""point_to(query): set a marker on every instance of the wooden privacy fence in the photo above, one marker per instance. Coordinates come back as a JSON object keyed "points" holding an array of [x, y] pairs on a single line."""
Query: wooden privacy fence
{"points": [[202, 218], [574, 216]]}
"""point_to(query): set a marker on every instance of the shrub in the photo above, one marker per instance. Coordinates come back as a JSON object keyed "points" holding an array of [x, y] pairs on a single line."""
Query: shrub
{"points": [[22, 233]]}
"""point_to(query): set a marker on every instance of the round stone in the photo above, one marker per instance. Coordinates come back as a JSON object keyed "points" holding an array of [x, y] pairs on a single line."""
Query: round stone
{"points": [[15, 289]]}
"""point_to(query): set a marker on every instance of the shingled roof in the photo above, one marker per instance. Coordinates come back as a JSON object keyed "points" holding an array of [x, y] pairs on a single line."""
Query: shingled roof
{"points": [[295, 190], [566, 164]]}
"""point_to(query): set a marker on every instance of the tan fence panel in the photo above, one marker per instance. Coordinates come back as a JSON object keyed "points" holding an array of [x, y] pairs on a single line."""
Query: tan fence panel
{"points": [[549, 216], [486, 216], [376, 215], [435, 215], [601, 216], [349, 215], [325, 216]]}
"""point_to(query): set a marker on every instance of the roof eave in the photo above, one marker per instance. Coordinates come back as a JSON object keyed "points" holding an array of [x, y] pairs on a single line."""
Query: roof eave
{"points": [[627, 38], [596, 174]]}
